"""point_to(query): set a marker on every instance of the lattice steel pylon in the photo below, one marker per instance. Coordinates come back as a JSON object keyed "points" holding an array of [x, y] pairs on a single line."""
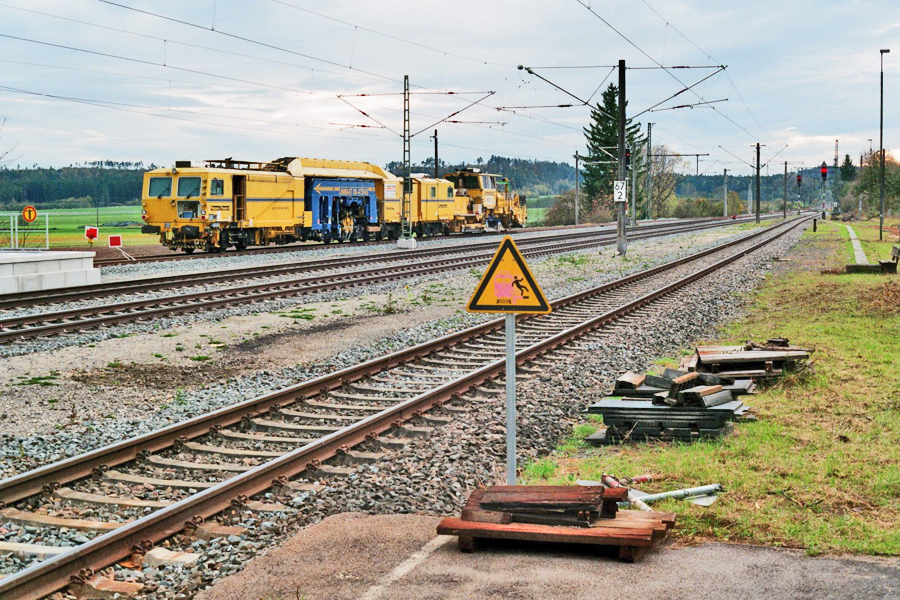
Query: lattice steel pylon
{"points": [[406, 204]]}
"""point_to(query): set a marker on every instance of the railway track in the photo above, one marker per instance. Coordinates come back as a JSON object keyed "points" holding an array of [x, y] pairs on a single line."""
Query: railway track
{"points": [[112, 262], [42, 324], [311, 430], [219, 276]]}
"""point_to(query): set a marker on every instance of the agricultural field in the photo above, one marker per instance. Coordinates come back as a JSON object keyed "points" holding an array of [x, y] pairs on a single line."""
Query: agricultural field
{"points": [[67, 226]]}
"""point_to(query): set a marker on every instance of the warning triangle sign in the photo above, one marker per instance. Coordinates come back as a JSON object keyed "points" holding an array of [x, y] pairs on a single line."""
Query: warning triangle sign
{"points": [[508, 285]]}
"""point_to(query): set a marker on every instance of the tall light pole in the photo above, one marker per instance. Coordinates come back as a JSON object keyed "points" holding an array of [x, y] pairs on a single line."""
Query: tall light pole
{"points": [[881, 150]]}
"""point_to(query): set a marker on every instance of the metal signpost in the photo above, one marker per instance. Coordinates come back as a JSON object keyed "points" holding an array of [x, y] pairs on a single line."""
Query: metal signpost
{"points": [[509, 287]]}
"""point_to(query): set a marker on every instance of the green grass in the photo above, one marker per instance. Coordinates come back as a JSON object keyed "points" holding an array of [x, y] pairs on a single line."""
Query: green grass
{"points": [[43, 380], [536, 216], [867, 232], [200, 358], [67, 226], [820, 469]]}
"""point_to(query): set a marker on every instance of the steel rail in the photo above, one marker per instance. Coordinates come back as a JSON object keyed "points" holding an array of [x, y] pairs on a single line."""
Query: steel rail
{"points": [[295, 247], [53, 574], [129, 286], [32, 482], [47, 323], [109, 262]]}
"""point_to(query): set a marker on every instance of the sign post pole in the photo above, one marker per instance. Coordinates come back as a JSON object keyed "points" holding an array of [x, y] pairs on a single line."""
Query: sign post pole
{"points": [[510, 399], [509, 287]]}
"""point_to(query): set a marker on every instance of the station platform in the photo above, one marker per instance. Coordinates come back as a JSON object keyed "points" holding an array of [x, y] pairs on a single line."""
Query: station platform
{"points": [[37, 270]]}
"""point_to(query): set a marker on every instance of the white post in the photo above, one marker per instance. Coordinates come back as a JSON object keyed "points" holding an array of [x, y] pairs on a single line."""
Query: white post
{"points": [[46, 231], [510, 399]]}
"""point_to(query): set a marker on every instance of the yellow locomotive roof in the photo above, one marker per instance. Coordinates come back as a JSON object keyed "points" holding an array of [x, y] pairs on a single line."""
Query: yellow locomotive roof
{"points": [[296, 167]]}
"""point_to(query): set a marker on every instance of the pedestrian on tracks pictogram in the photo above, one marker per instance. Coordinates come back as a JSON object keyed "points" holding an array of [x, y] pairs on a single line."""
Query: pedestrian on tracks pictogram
{"points": [[29, 213], [509, 287]]}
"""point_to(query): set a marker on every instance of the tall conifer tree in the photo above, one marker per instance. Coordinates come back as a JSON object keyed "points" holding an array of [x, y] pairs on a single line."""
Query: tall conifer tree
{"points": [[602, 135]]}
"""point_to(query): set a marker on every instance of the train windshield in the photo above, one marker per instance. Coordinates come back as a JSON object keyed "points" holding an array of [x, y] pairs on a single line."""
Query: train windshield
{"points": [[469, 182], [487, 182], [189, 187], [160, 186]]}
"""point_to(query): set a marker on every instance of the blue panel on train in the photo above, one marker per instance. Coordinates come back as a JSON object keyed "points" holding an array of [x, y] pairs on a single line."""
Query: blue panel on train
{"points": [[330, 200]]}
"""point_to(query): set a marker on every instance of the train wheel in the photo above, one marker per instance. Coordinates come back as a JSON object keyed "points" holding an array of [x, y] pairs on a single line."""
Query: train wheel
{"points": [[240, 246], [188, 250]]}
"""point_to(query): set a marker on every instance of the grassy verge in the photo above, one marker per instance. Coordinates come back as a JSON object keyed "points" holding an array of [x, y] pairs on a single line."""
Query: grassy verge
{"points": [[820, 469], [867, 231]]}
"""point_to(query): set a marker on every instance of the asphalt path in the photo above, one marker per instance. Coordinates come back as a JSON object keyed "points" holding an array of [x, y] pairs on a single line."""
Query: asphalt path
{"points": [[399, 557]]}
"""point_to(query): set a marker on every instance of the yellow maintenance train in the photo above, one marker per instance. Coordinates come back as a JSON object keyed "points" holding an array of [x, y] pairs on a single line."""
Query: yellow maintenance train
{"points": [[217, 204]]}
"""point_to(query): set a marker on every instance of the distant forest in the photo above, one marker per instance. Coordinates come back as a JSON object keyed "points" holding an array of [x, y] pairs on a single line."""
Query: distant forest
{"points": [[97, 183], [115, 183]]}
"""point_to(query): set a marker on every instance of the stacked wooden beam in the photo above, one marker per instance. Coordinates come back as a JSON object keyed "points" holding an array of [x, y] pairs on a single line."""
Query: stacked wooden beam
{"points": [[756, 361], [677, 405], [564, 514]]}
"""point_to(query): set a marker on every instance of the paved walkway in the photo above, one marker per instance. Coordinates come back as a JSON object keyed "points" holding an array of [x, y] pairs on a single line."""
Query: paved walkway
{"points": [[398, 557], [858, 253]]}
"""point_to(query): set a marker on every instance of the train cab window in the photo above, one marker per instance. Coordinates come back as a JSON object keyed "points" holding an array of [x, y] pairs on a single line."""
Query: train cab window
{"points": [[469, 182], [432, 192], [449, 191], [188, 187], [160, 186], [217, 187], [188, 209], [487, 182]]}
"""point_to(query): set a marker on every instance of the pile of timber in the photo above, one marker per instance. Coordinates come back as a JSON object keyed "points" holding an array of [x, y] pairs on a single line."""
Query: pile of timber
{"points": [[677, 405], [754, 361], [561, 514]]}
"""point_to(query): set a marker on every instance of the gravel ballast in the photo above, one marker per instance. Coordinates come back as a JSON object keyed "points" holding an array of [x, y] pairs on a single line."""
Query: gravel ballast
{"points": [[435, 475]]}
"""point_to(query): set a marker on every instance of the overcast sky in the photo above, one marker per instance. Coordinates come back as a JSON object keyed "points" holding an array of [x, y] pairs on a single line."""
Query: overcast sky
{"points": [[260, 79]]}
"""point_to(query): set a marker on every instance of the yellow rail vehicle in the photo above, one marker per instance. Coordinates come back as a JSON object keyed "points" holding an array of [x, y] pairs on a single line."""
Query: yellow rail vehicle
{"points": [[490, 199], [224, 203]]}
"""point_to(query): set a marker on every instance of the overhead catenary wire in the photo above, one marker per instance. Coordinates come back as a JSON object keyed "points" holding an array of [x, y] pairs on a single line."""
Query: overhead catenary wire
{"points": [[679, 93], [247, 39], [727, 75], [659, 64], [166, 41], [155, 64], [164, 114], [388, 35]]}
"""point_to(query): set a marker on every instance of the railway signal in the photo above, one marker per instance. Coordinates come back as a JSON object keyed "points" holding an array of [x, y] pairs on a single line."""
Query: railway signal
{"points": [[508, 286], [799, 179], [824, 171]]}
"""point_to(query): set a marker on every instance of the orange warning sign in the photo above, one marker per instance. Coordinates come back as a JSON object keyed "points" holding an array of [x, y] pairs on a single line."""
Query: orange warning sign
{"points": [[29, 213], [508, 285]]}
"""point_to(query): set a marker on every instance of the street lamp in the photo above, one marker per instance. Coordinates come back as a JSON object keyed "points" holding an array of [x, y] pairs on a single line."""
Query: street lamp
{"points": [[881, 150]]}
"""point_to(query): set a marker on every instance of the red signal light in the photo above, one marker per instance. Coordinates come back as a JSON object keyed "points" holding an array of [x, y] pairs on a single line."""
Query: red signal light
{"points": [[799, 180], [824, 171]]}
